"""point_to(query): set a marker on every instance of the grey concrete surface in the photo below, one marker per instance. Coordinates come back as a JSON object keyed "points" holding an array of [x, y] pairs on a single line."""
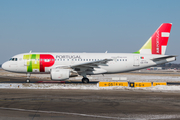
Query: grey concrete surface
{"points": [[24, 104], [87, 104]]}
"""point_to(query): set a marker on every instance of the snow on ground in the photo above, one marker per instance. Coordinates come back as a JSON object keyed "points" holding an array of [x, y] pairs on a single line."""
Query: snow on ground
{"points": [[139, 77], [83, 86], [132, 77]]}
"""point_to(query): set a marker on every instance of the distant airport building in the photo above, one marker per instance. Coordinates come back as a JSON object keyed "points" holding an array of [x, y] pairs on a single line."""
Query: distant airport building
{"points": [[155, 68]]}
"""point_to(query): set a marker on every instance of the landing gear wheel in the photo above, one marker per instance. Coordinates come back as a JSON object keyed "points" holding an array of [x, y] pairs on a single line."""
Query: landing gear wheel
{"points": [[28, 78], [85, 80], [27, 81]]}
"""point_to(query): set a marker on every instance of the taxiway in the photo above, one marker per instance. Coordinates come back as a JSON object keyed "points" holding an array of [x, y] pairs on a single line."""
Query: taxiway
{"points": [[45, 104], [88, 104]]}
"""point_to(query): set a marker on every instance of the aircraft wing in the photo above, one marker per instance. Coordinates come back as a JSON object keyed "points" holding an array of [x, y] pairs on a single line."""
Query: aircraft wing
{"points": [[88, 66], [163, 58], [93, 64]]}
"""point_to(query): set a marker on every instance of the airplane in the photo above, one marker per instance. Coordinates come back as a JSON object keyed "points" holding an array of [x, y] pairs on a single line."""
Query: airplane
{"points": [[62, 66]]}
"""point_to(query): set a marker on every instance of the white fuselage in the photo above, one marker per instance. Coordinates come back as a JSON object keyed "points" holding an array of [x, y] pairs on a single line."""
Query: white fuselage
{"points": [[121, 62]]}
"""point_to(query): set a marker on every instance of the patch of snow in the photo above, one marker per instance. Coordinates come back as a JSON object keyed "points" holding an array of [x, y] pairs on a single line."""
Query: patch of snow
{"points": [[82, 86]]}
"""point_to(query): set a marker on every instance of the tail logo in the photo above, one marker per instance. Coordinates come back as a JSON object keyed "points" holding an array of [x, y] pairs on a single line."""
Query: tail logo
{"points": [[157, 43]]}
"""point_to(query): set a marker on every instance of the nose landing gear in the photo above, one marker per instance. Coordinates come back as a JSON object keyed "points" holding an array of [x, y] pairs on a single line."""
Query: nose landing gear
{"points": [[28, 78]]}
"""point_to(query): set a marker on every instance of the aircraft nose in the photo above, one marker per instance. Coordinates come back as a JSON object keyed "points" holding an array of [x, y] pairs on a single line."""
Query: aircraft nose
{"points": [[5, 66]]}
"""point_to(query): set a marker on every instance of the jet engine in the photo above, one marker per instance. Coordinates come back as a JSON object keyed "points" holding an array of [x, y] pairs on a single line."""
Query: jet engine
{"points": [[60, 74]]}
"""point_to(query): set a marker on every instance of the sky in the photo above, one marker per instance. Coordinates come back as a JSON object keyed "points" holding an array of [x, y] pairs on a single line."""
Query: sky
{"points": [[116, 26]]}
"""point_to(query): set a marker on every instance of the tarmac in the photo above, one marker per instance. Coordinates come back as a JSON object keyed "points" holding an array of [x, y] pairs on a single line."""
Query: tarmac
{"points": [[66, 104], [87, 104]]}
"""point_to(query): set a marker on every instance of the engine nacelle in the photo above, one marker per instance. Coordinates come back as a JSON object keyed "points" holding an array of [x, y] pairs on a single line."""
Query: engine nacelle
{"points": [[60, 74]]}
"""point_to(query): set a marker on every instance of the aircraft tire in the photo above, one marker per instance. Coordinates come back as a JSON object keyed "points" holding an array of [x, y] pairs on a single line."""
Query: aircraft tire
{"points": [[85, 80], [27, 80]]}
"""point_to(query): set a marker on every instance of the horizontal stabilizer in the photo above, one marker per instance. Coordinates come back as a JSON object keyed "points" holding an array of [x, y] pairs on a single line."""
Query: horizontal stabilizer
{"points": [[162, 58]]}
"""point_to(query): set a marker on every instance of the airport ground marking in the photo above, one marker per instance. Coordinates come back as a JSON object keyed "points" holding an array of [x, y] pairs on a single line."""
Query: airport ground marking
{"points": [[131, 84], [159, 83], [56, 112], [96, 116], [108, 84]]}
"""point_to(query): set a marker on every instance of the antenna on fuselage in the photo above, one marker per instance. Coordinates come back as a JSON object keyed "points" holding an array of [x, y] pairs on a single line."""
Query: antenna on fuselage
{"points": [[106, 51], [30, 51]]}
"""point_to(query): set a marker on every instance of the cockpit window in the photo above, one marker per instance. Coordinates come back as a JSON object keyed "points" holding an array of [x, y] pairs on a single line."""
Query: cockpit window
{"points": [[13, 59]]}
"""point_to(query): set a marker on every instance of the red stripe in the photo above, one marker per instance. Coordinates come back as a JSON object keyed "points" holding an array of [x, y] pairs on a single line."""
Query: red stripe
{"points": [[157, 40]]}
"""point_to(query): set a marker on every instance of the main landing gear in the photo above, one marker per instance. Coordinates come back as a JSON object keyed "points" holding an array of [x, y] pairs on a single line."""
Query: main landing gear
{"points": [[85, 80], [28, 78]]}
